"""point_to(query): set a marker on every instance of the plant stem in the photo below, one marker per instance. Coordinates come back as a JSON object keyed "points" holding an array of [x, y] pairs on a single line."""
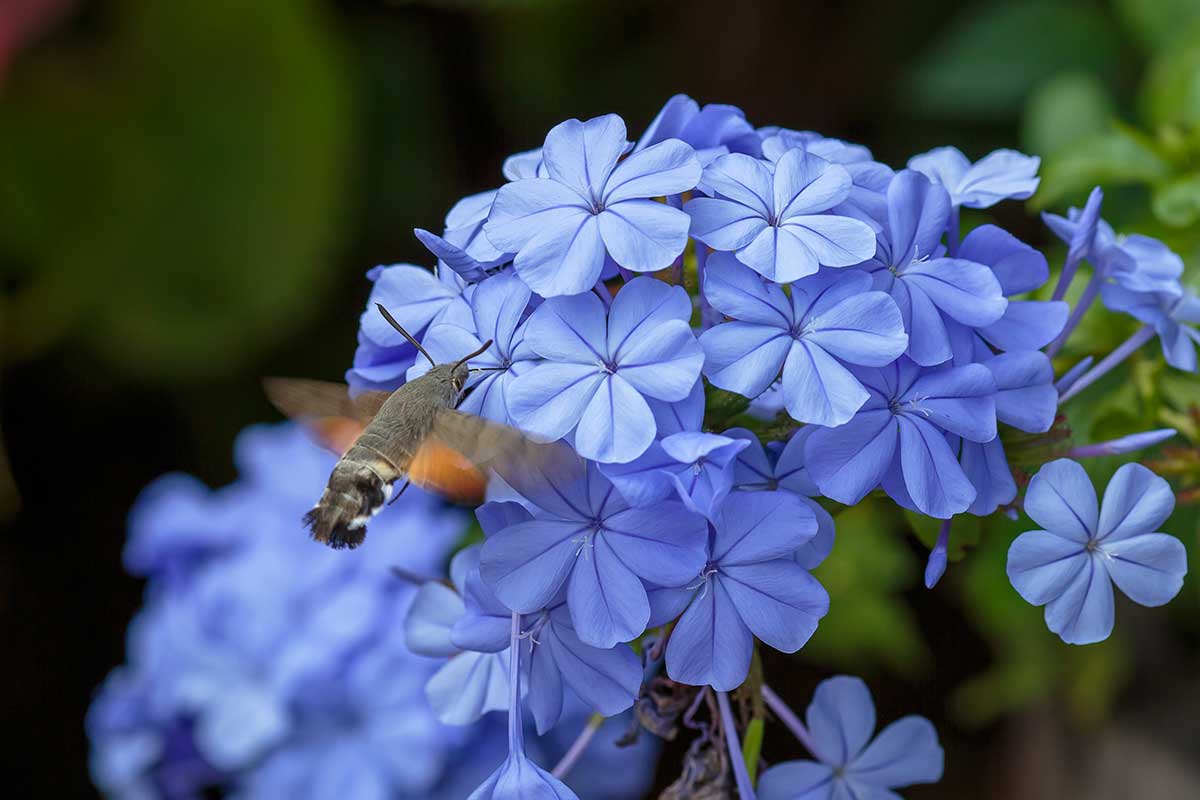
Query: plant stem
{"points": [[788, 718], [578, 747], [516, 734], [744, 787], [1081, 307], [1119, 354]]}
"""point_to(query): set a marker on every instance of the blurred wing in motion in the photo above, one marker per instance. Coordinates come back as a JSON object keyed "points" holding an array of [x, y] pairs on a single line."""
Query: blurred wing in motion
{"points": [[325, 409], [490, 445]]}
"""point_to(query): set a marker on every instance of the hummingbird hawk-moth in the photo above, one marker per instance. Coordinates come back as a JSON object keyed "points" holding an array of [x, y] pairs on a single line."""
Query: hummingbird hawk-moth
{"points": [[414, 433]]}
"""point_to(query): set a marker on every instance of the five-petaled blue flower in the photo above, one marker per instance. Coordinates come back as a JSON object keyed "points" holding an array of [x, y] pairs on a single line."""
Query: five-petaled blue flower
{"points": [[586, 537], [831, 319], [1000, 175], [929, 288], [463, 247], [497, 312], [1173, 318], [697, 466], [562, 227], [850, 764], [750, 585], [1086, 547], [775, 221], [898, 437], [713, 131], [600, 367]]}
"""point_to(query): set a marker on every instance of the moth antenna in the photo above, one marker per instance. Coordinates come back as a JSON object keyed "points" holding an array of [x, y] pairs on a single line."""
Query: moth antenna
{"points": [[392, 321], [480, 351], [487, 369]]}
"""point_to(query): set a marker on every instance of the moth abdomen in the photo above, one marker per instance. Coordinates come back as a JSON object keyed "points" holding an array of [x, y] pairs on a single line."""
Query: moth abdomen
{"points": [[355, 493]]}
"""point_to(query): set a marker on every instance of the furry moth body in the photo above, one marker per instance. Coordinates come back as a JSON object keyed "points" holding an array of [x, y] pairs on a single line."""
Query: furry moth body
{"points": [[414, 433]]}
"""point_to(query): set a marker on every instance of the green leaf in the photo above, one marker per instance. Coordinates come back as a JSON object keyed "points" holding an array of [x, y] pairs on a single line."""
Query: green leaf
{"points": [[1157, 23], [752, 746], [1119, 156], [1177, 202], [1063, 111], [985, 63], [1171, 89]]}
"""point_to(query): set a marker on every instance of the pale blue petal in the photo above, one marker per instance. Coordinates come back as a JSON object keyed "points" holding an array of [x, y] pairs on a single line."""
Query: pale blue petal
{"points": [[778, 600], [564, 258], [744, 358], [796, 780], [1061, 499], [807, 184], [917, 214], [608, 603], [607, 680], [684, 415], [643, 235], [817, 549], [779, 254], [646, 479], [833, 241], [1027, 325], [498, 304], [527, 563], [469, 686], [963, 290], [841, 719], [904, 753], [1135, 501], [818, 390], [569, 329], [928, 339], [1041, 565], [1025, 396], [849, 461], [545, 691], [432, 614], [1017, 266], [761, 526], [665, 544], [710, 645], [866, 329], [1083, 614], [641, 306], [550, 399], [581, 155], [742, 179], [1000, 175], [932, 475], [664, 364], [524, 208], [986, 466], [790, 468], [723, 224], [666, 168], [958, 400], [945, 165], [739, 292], [1148, 568], [617, 425]]}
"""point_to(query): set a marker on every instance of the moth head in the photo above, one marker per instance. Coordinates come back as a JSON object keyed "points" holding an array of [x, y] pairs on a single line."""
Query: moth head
{"points": [[458, 376]]}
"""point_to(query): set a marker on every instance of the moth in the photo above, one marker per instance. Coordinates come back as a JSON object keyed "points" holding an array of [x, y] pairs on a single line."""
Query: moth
{"points": [[414, 433]]}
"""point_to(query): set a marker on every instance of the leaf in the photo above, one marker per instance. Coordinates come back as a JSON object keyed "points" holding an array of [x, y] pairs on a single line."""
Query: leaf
{"points": [[1122, 155], [1157, 23], [1059, 113], [984, 64], [1170, 92], [752, 746], [1177, 202]]}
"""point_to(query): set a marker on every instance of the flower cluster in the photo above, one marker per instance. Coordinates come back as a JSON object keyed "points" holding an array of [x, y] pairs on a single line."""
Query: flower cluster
{"points": [[262, 666], [635, 292]]}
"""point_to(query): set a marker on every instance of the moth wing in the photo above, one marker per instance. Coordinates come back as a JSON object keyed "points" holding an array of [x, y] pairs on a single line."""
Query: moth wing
{"points": [[325, 409], [510, 452], [440, 468]]}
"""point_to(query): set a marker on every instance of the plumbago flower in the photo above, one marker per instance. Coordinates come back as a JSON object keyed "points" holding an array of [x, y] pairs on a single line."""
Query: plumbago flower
{"points": [[1000, 175], [850, 764], [774, 221], [417, 298], [587, 538], [562, 227], [928, 288], [463, 247], [830, 320], [750, 586], [497, 313], [1173, 317], [601, 366], [1086, 547], [712, 131]]}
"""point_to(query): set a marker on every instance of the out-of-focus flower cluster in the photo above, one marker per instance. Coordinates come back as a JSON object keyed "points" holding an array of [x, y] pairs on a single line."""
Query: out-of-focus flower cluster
{"points": [[265, 666]]}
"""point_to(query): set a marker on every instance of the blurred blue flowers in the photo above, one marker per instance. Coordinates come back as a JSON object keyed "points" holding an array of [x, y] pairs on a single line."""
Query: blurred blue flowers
{"points": [[850, 764], [1085, 547]]}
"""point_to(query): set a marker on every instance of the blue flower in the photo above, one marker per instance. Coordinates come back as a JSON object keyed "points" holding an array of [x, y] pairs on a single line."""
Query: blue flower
{"points": [[696, 466], [231, 661], [1139, 263], [462, 246], [562, 227], [528, 164], [1025, 324], [898, 438], [831, 319], [1172, 316], [765, 469], [928, 288], [417, 299], [586, 537], [750, 586], [713, 130], [850, 764], [774, 221], [1070, 566], [474, 680], [1000, 175], [600, 369], [497, 312]]}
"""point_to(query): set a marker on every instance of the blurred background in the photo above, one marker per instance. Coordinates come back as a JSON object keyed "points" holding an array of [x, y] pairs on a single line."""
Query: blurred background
{"points": [[192, 191]]}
